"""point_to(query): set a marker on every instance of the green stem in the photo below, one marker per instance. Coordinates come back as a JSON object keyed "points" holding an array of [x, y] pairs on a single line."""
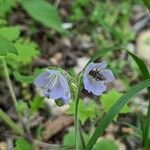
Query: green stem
{"points": [[146, 128], [8, 82], [76, 114], [8, 121], [81, 137], [13, 96]]}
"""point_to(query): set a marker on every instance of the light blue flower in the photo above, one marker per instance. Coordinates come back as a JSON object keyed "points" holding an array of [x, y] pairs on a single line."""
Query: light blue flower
{"points": [[96, 77], [54, 85]]}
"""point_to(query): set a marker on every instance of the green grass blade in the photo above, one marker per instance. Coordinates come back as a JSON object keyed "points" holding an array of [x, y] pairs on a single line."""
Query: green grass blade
{"points": [[145, 75], [147, 3], [133, 91]]}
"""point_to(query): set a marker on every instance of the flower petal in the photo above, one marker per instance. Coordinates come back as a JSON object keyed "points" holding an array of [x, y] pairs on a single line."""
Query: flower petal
{"points": [[92, 66], [109, 75], [55, 93], [52, 71], [42, 79], [101, 65], [66, 98], [96, 88], [64, 83]]}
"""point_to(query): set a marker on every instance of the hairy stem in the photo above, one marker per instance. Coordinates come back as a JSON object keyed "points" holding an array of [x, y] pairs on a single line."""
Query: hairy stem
{"points": [[13, 96], [8, 82], [8, 121], [76, 114]]}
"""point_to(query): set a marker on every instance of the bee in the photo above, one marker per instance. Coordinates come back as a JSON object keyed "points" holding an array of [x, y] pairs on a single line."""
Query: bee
{"points": [[97, 75]]}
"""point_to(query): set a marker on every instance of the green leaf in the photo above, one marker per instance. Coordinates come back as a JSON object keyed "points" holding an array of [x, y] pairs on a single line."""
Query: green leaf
{"points": [[106, 144], [21, 106], [26, 53], [147, 3], [85, 111], [6, 6], [110, 98], [27, 79], [69, 138], [22, 144], [115, 109], [10, 33], [22, 78], [43, 12], [6, 47], [36, 103]]}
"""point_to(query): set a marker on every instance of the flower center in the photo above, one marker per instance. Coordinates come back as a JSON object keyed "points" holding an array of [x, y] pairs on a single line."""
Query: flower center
{"points": [[97, 75]]}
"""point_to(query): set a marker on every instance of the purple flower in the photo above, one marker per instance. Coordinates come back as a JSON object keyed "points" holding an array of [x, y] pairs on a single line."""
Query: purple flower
{"points": [[54, 85], [96, 77]]}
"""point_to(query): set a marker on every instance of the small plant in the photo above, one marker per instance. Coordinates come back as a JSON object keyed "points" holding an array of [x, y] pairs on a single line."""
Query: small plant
{"points": [[64, 88]]}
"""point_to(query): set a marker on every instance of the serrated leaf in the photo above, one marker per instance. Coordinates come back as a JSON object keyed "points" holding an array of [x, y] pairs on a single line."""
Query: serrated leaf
{"points": [[110, 98], [22, 144], [10, 33], [26, 53], [6, 47], [43, 12], [85, 111]]}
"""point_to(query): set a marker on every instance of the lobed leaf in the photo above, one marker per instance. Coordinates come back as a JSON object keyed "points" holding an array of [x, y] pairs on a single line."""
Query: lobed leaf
{"points": [[26, 53], [6, 47], [110, 98], [10, 33]]}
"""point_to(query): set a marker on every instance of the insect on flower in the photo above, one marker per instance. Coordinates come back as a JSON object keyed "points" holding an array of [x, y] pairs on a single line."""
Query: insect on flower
{"points": [[96, 77], [54, 85]]}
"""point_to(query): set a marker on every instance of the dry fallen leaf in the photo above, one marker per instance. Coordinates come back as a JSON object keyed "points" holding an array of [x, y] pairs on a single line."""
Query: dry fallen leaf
{"points": [[55, 126], [3, 146]]}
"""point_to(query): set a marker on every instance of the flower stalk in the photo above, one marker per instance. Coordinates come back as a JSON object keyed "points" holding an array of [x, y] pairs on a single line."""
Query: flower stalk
{"points": [[8, 121], [3, 116], [76, 113], [8, 82]]}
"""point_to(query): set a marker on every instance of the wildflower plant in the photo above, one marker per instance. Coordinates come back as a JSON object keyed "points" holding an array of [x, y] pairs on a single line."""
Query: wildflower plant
{"points": [[58, 85], [94, 78]]}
